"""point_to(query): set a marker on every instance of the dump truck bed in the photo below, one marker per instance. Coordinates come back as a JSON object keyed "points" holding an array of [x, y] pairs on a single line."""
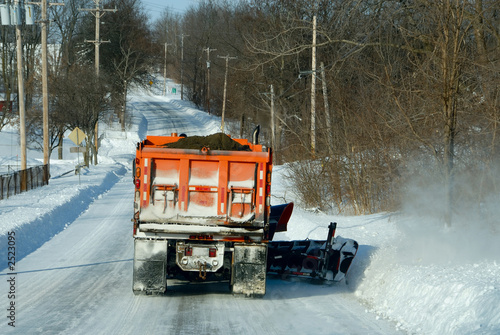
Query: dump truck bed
{"points": [[202, 186]]}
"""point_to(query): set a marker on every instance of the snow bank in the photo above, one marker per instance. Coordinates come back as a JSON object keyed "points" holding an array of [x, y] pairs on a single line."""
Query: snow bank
{"points": [[435, 281], [424, 278], [51, 208], [433, 299]]}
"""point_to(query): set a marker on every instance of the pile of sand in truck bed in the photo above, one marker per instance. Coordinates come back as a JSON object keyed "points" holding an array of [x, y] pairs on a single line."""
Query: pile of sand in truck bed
{"points": [[219, 141]]}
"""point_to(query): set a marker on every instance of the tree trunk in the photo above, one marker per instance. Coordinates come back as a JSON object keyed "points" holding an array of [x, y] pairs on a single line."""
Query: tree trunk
{"points": [[124, 110], [60, 146]]}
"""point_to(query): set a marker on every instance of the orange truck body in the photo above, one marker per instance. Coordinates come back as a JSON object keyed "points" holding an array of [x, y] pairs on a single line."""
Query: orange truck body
{"points": [[200, 199]]}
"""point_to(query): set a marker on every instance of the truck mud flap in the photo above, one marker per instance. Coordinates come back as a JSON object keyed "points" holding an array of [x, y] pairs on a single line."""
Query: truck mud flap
{"points": [[150, 274], [249, 269]]}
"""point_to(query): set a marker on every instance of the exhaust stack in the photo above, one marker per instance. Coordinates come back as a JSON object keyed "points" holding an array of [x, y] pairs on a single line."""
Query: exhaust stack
{"points": [[255, 136]]}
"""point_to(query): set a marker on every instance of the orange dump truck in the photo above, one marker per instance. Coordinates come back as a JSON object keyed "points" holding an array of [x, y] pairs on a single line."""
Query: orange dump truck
{"points": [[201, 212]]}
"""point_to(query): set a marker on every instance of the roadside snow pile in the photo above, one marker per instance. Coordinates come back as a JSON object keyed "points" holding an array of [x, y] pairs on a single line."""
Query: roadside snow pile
{"points": [[425, 279], [51, 208], [436, 281], [433, 299]]}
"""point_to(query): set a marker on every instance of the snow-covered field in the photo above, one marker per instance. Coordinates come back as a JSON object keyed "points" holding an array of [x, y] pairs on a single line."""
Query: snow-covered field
{"points": [[409, 276]]}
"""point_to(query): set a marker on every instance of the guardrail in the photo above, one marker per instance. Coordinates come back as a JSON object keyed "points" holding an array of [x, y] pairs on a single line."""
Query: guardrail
{"points": [[23, 180]]}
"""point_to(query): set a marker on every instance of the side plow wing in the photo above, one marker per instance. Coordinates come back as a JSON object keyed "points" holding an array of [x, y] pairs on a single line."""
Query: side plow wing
{"points": [[328, 259]]}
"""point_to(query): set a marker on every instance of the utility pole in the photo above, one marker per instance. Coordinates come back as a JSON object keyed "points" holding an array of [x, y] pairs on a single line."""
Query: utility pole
{"points": [[327, 110], [20, 94], [227, 58], [45, 95], [182, 65], [165, 70], [207, 49], [273, 136], [98, 12], [313, 88], [45, 92], [11, 15]]}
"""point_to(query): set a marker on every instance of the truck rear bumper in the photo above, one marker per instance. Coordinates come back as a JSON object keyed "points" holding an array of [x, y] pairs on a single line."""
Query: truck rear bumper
{"points": [[178, 231]]}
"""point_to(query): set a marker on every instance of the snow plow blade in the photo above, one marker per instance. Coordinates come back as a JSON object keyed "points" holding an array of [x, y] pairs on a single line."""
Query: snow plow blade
{"points": [[328, 259]]}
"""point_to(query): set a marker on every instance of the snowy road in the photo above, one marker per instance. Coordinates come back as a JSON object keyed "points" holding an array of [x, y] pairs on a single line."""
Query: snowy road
{"points": [[80, 281], [165, 117]]}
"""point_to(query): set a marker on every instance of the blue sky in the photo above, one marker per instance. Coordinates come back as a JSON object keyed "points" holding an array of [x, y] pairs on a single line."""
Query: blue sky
{"points": [[155, 7]]}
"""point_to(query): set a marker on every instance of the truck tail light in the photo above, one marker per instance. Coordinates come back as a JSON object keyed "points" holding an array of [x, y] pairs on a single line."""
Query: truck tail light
{"points": [[137, 183], [188, 251], [212, 252], [201, 237]]}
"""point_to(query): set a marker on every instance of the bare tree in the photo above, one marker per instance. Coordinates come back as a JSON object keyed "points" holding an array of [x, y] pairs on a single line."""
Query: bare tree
{"points": [[65, 31], [129, 53], [82, 99]]}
